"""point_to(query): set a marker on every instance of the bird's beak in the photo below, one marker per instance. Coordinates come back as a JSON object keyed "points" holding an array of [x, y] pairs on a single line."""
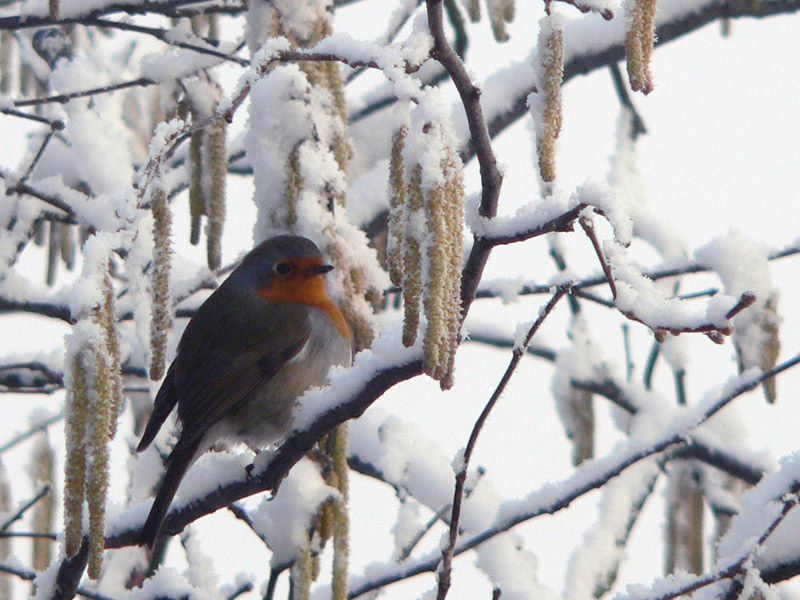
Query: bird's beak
{"points": [[319, 270]]}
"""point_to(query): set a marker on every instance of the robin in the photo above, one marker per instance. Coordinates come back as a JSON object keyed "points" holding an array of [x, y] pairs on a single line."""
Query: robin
{"points": [[265, 336]]}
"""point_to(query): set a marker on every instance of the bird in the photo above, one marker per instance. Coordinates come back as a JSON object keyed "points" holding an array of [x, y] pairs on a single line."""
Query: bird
{"points": [[265, 336]]}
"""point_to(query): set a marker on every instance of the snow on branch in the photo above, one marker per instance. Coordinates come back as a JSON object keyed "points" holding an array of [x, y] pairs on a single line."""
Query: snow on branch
{"points": [[591, 475]]}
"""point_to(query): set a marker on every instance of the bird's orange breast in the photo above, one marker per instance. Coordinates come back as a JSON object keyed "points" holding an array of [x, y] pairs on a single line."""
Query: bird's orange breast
{"points": [[304, 288]]}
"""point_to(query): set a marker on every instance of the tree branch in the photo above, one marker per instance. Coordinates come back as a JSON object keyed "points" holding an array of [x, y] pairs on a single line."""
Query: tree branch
{"points": [[591, 475]]}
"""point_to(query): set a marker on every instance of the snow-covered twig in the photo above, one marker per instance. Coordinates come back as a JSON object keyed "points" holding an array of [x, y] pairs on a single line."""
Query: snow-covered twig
{"points": [[16, 186], [729, 569], [490, 290], [590, 476], [461, 475]]}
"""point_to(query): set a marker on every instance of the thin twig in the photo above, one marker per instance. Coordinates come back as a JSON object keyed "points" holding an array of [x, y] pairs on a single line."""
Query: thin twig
{"points": [[576, 485], [28, 534], [461, 477], [27, 575], [45, 142], [739, 566], [62, 98], [242, 589], [55, 124], [44, 491], [588, 227], [638, 128], [626, 340], [163, 35], [20, 187], [31, 432]]}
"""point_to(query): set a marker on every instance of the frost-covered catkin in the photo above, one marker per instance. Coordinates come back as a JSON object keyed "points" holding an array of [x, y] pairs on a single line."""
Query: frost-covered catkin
{"points": [[106, 317], [6, 40], [93, 384], [744, 268], [5, 542], [67, 239], [303, 573], [98, 429], [500, 13], [53, 251], [44, 512], [218, 169], [208, 162], [294, 185], [639, 42], [756, 340], [412, 256], [579, 405], [473, 10], [546, 106], [197, 203], [161, 319], [397, 191], [771, 345], [684, 530], [77, 407], [341, 523], [432, 243], [454, 219], [444, 215]]}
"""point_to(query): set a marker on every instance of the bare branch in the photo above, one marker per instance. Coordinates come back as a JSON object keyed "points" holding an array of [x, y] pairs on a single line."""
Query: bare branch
{"points": [[461, 476]]}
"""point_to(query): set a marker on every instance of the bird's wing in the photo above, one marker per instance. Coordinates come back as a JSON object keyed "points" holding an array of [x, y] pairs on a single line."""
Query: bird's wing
{"points": [[219, 367], [165, 401]]}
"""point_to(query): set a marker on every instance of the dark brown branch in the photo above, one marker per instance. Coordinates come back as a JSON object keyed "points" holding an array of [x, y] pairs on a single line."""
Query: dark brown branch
{"points": [[561, 224], [637, 123], [588, 227], [501, 342], [28, 534], [719, 459]]}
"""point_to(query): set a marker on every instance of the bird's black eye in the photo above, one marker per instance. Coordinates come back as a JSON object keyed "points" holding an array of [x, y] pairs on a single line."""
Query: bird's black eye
{"points": [[283, 268]]}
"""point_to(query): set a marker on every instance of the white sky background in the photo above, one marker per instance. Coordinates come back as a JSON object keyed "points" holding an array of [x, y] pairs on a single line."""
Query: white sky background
{"points": [[721, 153]]}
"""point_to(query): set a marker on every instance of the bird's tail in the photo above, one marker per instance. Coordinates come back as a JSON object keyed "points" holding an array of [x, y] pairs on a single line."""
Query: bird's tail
{"points": [[178, 463]]}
